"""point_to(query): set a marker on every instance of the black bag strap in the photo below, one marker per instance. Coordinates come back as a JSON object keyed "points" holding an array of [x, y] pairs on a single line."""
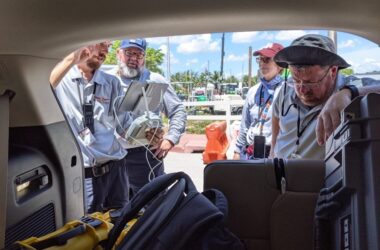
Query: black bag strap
{"points": [[143, 197], [62, 239], [279, 170]]}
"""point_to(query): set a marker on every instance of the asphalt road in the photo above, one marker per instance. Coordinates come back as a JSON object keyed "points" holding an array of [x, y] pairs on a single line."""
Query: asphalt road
{"points": [[190, 163]]}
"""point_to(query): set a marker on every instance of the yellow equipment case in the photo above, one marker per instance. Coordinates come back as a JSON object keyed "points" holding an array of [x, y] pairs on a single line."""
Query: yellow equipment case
{"points": [[85, 234]]}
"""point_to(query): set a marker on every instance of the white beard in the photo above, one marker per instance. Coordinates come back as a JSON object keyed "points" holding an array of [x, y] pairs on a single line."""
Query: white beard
{"points": [[127, 71]]}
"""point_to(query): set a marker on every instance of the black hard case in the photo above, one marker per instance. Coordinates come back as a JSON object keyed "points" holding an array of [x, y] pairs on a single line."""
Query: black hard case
{"points": [[350, 201]]}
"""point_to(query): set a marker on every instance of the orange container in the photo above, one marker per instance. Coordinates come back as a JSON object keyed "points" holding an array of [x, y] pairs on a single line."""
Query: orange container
{"points": [[217, 142]]}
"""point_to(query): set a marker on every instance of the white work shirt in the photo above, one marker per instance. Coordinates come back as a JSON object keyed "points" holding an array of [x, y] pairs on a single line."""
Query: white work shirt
{"points": [[105, 147]]}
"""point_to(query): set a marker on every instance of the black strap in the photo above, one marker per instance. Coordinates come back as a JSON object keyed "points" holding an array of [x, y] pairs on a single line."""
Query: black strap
{"points": [[279, 171], [62, 239], [353, 89], [91, 172], [300, 130], [143, 197], [81, 95], [285, 113]]}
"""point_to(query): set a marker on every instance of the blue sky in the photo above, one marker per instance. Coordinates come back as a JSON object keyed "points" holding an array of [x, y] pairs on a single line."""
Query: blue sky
{"points": [[199, 52]]}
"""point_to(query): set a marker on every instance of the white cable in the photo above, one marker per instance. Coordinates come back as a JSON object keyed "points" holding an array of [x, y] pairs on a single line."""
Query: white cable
{"points": [[115, 114], [145, 100], [151, 174]]}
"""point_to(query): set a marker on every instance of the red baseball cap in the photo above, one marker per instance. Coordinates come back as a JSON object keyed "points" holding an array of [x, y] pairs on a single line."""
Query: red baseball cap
{"points": [[269, 51]]}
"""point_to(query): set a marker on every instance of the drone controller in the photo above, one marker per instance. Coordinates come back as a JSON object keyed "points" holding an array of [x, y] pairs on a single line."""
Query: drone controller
{"points": [[136, 132]]}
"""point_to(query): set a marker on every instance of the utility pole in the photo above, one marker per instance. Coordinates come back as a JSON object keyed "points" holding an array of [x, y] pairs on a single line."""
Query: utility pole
{"points": [[249, 67], [222, 58], [208, 71], [242, 72], [332, 34], [168, 59]]}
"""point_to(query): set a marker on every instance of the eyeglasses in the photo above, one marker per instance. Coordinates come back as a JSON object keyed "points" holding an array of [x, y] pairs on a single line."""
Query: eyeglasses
{"points": [[298, 83], [130, 54], [263, 59]]}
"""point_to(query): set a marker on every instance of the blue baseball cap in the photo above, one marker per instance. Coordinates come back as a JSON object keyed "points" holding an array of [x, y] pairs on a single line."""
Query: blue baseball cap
{"points": [[139, 43]]}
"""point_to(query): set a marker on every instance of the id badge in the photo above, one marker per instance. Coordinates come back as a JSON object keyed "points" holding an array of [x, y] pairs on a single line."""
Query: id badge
{"points": [[88, 117], [86, 136]]}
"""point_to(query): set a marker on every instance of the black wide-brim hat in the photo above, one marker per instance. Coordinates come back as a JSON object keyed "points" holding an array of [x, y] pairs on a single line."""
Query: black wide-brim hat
{"points": [[310, 49]]}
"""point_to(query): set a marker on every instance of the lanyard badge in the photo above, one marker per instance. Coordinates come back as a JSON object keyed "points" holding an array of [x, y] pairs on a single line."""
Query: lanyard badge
{"points": [[88, 116], [87, 108]]}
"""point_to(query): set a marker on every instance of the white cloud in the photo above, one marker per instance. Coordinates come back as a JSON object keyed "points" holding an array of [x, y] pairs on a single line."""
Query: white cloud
{"points": [[195, 43], [157, 40], [244, 37], [183, 39], [365, 60], [369, 60], [288, 35], [192, 61], [173, 59], [266, 36], [346, 44], [235, 58], [164, 49]]}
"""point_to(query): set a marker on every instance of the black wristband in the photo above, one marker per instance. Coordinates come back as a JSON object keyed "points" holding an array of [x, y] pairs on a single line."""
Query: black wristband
{"points": [[353, 89]]}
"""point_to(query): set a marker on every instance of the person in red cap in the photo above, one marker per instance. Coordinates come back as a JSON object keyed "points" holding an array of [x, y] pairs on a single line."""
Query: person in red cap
{"points": [[257, 110]]}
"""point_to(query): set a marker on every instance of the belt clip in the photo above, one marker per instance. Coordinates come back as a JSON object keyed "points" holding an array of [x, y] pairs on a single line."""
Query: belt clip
{"points": [[99, 171], [283, 185]]}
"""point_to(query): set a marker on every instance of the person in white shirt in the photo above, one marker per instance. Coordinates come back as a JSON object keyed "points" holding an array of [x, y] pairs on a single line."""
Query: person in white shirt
{"points": [[87, 95]]}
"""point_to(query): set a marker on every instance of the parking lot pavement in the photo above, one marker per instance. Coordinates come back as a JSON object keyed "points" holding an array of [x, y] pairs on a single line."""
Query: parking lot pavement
{"points": [[190, 163]]}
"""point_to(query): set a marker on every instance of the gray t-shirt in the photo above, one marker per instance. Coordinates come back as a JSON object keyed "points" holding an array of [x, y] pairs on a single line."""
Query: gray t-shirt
{"points": [[72, 92], [286, 144]]}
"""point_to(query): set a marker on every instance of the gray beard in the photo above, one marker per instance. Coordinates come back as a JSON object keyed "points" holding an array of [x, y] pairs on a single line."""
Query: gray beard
{"points": [[128, 72]]}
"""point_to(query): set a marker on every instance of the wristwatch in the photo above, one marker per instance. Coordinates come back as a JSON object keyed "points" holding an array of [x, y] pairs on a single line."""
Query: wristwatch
{"points": [[353, 89]]}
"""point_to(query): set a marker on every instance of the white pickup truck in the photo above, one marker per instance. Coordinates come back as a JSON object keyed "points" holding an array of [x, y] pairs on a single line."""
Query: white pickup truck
{"points": [[236, 104]]}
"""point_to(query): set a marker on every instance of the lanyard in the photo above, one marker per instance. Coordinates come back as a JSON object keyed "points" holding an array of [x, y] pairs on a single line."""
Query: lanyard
{"points": [[81, 94], [300, 130], [263, 107], [87, 109]]}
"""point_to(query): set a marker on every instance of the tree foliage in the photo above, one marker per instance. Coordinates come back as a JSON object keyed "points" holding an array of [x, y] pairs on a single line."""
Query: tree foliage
{"points": [[153, 60], [347, 72], [111, 58], [232, 79]]}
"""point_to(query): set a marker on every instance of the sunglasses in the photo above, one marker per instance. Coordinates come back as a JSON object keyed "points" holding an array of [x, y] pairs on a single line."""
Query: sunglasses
{"points": [[263, 59]]}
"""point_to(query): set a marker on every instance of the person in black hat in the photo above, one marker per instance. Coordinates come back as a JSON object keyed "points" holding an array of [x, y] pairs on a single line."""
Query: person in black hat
{"points": [[304, 99]]}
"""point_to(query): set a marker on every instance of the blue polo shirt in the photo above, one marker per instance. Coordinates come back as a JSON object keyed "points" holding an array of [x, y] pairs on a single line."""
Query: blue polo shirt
{"points": [[72, 91]]}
